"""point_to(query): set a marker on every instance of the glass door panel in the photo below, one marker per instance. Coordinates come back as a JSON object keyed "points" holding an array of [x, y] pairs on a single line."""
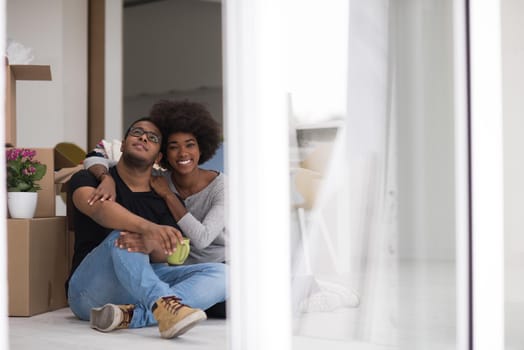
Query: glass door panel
{"points": [[374, 186]]}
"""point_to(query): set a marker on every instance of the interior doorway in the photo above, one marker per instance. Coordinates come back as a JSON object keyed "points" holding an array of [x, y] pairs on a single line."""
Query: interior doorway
{"points": [[171, 50]]}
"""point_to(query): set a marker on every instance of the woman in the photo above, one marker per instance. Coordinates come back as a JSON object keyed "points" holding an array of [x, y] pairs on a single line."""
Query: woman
{"points": [[195, 196]]}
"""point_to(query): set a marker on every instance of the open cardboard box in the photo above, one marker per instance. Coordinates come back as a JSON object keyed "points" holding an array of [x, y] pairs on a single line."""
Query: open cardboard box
{"points": [[40, 250], [14, 73]]}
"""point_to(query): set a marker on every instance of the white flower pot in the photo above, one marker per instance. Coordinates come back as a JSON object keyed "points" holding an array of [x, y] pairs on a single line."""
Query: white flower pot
{"points": [[22, 205]]}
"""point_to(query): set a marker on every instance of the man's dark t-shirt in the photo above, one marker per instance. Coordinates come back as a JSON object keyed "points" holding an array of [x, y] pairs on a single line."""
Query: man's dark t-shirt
{"points": [[89, 234]]}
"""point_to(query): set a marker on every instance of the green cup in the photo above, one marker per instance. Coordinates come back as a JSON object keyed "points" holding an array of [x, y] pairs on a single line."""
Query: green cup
{"points": [[180, 254]]}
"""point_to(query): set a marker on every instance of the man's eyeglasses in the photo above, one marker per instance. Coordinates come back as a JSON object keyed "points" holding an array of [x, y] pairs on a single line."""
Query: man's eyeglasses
{"points": [[151, 136]]}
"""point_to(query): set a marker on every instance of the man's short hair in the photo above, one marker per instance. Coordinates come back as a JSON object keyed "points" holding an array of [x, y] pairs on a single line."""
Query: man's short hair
{"points": [[143, 119]]}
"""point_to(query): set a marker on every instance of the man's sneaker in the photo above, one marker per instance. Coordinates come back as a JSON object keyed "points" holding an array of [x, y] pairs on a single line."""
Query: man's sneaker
{"points": [[110, 317], [175, 318]]}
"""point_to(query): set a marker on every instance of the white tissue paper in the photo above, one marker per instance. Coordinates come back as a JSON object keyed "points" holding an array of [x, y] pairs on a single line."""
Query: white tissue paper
{"points": [[18, 53]]}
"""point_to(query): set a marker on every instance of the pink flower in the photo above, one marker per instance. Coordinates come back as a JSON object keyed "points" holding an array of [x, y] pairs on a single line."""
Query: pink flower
{"points": [[23, 171]]}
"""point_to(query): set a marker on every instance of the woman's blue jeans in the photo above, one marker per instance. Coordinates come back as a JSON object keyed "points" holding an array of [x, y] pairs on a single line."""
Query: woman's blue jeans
{"points": [[109, 274]]}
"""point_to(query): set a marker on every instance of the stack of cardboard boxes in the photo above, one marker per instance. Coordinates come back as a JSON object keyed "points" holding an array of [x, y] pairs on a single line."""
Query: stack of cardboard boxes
{"points": [[39, 249]]}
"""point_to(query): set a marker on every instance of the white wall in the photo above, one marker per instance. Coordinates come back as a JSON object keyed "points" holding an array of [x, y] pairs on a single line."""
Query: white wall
{"points": [[185, 56], [50, 112]]}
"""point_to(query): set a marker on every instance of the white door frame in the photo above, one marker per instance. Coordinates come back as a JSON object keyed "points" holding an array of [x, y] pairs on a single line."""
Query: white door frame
{"points": [[4, 339], [257, 163], [486, 157]]}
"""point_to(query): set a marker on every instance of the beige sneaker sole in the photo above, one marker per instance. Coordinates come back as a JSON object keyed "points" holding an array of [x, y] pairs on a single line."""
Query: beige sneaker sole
{"points": [[184, 325], [105, 318]]}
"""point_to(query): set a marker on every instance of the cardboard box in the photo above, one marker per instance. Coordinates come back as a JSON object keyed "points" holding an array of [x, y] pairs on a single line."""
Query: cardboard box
{"points": [[46, 205], [14, 73], [38, 265], [62, 177]]}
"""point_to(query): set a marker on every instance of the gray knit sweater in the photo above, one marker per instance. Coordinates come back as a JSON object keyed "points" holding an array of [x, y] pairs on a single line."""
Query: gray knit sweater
{"points": [[204, 222]]}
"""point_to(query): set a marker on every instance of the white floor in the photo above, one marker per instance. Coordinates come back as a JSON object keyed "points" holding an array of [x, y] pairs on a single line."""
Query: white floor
{"points": [[59, 330], [425, 320], [514, 305], [62, 330], [338, 329]]}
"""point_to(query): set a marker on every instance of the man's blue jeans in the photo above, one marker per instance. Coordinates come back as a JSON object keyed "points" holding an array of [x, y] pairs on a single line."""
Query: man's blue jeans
{"points": [[109, 274]]}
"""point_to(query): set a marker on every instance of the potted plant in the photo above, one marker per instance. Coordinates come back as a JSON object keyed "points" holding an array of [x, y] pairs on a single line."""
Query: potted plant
{"points": [[23, 172]]}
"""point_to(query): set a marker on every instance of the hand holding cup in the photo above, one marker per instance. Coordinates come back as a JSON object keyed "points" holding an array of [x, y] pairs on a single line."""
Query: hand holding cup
{"points": [[180, 254]]}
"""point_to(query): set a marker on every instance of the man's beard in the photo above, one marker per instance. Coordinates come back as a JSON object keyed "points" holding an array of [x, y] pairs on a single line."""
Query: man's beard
{"points": [[136, 162]]}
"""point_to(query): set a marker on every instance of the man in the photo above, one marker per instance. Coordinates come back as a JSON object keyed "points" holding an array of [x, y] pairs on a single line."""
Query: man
{"points": [[116, 287]]}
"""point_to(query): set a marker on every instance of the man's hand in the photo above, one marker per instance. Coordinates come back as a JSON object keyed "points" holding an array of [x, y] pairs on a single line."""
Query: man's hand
{"points": [[111, 214], [105, 191], [166, 237], [151, 243], [135, 242]]}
